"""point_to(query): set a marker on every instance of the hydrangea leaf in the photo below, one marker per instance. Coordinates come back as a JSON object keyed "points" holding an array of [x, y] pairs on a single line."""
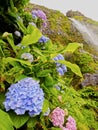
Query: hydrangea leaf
{"points": [[5, 121], [31, 38], [75, 68], [72, 47], [10, 39], [43, 73], [49, 82], [18, 121], [10, 59], [32, 122]]}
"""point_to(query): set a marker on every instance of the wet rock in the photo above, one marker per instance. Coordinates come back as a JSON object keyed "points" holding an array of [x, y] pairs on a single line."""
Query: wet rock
{"points": [[72, 13], [90, 80]]}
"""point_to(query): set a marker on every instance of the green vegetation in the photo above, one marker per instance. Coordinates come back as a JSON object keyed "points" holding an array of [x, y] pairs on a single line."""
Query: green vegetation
{"points": [[50, 64]]}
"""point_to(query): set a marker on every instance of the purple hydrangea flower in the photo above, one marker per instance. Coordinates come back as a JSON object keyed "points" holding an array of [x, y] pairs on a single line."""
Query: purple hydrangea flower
{"points": [[43, 39], [27, 56], [25, 96], [34, 16], [39, 14], [61, 69]]}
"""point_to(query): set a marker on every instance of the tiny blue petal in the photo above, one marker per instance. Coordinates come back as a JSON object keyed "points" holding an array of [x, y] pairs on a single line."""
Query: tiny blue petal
{"points": [[60, 71], [43, 39]]}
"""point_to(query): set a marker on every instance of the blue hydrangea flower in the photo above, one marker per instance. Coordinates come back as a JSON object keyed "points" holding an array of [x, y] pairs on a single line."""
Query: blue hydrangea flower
{"points": [[61, 69], [57, 87], [27, 56], [60, 57], [64, 68], [21, 46], [43, 39], [25, 96]]}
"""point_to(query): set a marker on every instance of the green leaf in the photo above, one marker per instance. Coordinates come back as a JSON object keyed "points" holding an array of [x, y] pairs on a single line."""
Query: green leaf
{"points": [[18, 120], [10, 39], [19, 77], [49, 45], [31, 38], [21, 26], [49, 82], [72, 47], [30, 29], [42, 57], [74, 68], [10, 59], [2, 98], [35, 49], [5, 121], [53, 128], [45, 106], [43, 73], [32, 122]]}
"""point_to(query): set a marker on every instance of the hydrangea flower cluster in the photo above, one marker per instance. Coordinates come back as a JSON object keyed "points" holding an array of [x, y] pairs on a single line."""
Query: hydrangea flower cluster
{"points": [[27, 56], [61, 69], [17, 33], [57, 117], [43, 39], [25, 96], [41, 15], [71, 124]]}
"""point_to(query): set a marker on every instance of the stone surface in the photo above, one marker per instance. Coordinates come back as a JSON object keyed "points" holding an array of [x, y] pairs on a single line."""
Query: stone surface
{"points": [[90, 80]]}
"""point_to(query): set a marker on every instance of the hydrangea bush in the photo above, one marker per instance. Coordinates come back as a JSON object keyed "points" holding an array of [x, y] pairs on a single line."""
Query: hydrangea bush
{"points": [[25, 96], [33, 94]]}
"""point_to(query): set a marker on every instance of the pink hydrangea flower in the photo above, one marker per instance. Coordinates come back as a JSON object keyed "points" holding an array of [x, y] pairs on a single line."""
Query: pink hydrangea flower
{"points": [[71, 124], [63, 128], [57, 117]]}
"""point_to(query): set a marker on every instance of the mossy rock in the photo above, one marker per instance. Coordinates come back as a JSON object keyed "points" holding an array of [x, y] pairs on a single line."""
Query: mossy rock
{"points": [[60, 28]]}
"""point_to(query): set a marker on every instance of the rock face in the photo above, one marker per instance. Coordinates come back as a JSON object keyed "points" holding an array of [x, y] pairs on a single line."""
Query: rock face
{"points": [[71, 13], [60, 28], [90, 80]]}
